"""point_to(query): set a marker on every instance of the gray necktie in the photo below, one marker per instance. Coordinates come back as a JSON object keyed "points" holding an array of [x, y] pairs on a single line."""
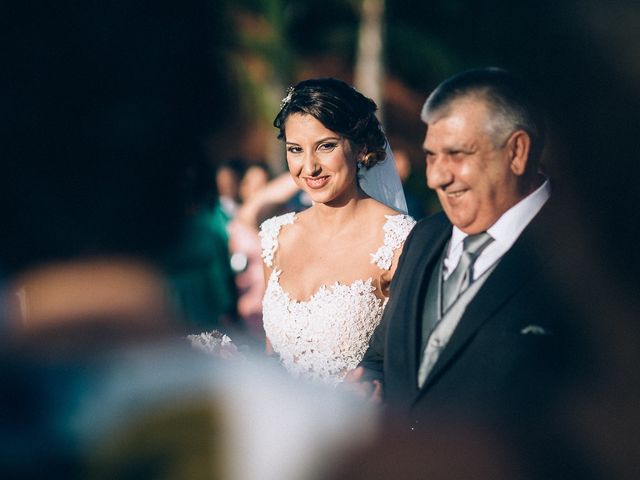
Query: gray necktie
{"points": [[460, 278]]}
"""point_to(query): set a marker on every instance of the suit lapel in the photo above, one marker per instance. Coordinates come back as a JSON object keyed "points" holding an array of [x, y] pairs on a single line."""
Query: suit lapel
{"points": [[412, 293], [517, 266]]}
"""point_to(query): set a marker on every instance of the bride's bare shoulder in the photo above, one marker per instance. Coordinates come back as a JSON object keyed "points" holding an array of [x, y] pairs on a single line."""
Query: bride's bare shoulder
{"points": [[297, 229], [377, 209], [303, 216]]}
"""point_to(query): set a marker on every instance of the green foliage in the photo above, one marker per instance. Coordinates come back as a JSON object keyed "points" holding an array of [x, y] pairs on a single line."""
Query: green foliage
{"points": [[418, 57]]}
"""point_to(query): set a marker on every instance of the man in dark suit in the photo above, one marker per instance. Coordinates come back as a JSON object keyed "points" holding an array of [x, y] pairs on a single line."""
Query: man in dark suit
{"points": [[475, 329]]}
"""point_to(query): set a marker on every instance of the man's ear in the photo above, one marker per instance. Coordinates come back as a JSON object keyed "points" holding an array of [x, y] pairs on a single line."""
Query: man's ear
{"points": [[519, 146]]}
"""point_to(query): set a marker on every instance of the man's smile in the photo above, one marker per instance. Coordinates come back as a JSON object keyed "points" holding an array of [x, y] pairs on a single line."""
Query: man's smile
{"points": [[456, 193]]}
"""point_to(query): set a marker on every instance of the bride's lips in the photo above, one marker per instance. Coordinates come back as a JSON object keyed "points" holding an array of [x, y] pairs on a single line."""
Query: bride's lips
{"points": [[316, 182]]}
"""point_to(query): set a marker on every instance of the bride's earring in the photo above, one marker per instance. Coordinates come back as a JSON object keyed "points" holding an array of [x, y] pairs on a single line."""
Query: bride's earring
{"points": [[361, 162]]}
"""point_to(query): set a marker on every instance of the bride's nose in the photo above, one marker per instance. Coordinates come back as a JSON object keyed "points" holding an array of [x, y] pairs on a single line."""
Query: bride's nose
{"points": [[310, 165]]}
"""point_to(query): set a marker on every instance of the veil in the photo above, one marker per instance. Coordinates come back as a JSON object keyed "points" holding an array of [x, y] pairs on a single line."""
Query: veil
{"points": [[382, 182]]}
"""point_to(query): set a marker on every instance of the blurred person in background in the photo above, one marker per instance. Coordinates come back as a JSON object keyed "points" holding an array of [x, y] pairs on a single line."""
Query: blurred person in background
{"points": [[198, 267], [403, 164], [254, 179], [247, 195], [228, 175], [327, 269], [245, 201]]}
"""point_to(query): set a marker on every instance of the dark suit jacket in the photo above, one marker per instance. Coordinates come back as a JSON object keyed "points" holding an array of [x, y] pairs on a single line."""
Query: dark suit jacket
{"points": [[491, 368]]}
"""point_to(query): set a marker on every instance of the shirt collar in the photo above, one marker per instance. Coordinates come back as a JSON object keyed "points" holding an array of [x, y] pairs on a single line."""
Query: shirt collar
{"points": [[510, 225]]}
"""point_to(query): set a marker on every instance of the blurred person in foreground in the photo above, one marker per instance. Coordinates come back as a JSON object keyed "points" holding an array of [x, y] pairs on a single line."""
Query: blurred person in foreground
{"points": [[477, 331], [98, 134], [107, 109], [98, 140]]}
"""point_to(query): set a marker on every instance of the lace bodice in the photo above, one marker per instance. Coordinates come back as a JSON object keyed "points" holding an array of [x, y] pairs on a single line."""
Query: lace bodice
{"points": [[327, 335]]}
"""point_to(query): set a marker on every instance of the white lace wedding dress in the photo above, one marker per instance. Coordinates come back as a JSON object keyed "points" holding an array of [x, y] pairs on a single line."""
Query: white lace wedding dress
{"points": [[322, 338]]}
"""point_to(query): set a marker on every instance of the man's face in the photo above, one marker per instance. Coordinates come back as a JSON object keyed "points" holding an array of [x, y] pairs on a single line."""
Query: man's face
{"points": [[472, 176]]}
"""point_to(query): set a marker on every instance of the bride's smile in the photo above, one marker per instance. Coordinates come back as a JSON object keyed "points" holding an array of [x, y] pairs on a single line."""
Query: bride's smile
{"points": [[317, 182]]}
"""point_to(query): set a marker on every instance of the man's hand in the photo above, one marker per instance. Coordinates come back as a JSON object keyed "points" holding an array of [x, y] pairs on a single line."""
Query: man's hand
{"points": [[367, 391]]}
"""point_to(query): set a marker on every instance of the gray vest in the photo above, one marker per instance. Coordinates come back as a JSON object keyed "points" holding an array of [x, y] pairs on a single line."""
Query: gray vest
{"points": [[436, 327]]}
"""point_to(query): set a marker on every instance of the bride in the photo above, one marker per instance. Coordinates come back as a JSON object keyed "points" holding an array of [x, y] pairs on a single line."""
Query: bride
{"points": [[328, 268]]}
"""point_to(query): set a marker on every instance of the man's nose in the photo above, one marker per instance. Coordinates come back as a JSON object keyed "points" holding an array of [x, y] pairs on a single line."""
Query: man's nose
{"points": [[438, 173]]}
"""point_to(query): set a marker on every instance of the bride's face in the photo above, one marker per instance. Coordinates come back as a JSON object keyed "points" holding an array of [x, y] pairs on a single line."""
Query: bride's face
{"points": [[321, 162]]}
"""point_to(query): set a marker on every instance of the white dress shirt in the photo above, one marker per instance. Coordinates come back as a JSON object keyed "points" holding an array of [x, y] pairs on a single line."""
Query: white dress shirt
{"points": [[505, 231]]}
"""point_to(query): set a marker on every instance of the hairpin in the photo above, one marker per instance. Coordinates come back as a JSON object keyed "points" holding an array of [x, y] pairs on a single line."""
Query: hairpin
{"points": [[287, 97]]}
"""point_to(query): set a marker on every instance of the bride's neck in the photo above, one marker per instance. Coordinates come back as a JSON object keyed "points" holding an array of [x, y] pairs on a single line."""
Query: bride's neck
{"points": [[336, 216]]}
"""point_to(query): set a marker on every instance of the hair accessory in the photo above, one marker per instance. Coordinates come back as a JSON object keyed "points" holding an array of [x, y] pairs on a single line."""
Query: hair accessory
{"points": [[287, 97]]}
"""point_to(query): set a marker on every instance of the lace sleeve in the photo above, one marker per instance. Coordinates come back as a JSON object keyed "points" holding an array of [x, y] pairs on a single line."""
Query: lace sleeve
{"points": [[269, 231], [396, 230]]}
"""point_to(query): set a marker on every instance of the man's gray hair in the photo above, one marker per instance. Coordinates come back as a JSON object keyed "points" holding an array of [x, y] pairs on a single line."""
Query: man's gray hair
{"points": [[510, 104]]}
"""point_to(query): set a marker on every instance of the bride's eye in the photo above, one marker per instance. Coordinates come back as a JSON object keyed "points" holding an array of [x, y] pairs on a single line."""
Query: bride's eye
{"points": [[294, 149], [327, 147]]}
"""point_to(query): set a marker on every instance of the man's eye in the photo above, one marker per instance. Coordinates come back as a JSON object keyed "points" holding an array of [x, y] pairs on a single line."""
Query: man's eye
{"points": [[456, 154], [459, 153]]}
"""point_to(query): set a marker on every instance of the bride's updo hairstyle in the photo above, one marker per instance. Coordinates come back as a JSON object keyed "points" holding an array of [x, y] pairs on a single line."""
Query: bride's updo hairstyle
{"points": [[341, 109]]}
